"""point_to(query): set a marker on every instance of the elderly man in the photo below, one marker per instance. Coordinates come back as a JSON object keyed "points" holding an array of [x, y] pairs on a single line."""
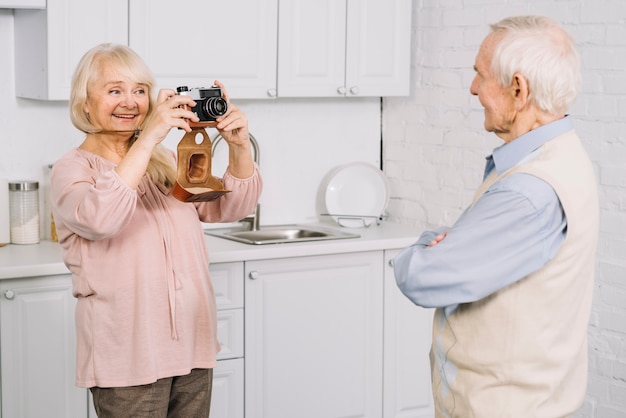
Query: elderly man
{"points": [[512, 280]]}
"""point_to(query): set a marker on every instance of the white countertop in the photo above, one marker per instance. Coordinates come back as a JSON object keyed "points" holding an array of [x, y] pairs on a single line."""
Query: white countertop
{"points": [[45, 258]]}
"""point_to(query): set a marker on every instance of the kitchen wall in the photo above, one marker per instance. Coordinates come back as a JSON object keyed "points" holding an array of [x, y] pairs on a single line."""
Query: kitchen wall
{"points": [[300, 140], [434, 146]]}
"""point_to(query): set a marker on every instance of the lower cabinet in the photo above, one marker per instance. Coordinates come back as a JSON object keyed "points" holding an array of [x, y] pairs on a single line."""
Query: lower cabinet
{"points": [[38, 349], [407, 336], [314, 336], [332, 336], [227, 400], [325, 336]]}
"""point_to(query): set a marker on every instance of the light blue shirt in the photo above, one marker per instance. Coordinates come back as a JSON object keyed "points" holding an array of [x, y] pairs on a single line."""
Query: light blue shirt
{"points": [[514, 229]]}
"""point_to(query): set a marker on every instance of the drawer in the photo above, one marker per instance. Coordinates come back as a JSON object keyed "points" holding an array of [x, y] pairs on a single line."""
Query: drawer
{"points": [[227, 398], [227, 281], [230, 333]]}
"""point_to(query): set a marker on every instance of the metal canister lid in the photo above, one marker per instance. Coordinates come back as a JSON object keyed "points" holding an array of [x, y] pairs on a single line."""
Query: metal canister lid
{"points": [[23, 186]]}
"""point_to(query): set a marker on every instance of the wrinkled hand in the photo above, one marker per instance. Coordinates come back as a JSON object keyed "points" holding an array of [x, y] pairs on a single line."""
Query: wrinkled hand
{"points": [[166, 115], [233, 125], [169, 113]]}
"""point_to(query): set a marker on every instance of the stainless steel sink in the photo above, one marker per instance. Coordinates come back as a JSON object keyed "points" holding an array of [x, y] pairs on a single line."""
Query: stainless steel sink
{"points": [[280, 234]]}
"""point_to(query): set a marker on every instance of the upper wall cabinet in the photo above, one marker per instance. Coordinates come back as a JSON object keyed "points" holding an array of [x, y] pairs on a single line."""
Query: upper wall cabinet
{"points": [[330, 48], [193, 43], [258, 48], [22, 4], [50, 42]]}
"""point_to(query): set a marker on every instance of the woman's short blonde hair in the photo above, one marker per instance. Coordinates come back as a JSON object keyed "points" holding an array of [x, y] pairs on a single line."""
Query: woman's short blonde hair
{"points": [[90, 67], [128, 63]]}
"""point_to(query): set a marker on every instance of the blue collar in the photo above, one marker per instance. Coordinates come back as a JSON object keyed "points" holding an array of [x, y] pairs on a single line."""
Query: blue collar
{"points": [[508, 155]]}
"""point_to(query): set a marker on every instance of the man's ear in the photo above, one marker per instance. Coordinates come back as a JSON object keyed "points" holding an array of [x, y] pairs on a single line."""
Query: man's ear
{"points": [[520, 90]]}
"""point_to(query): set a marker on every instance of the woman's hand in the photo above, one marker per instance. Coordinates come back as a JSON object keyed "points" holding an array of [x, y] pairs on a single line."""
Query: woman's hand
{"points": [[171, 111], [233, 126]]}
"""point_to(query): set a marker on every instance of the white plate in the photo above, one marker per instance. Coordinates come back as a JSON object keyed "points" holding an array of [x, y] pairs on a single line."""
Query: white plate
{"points": [[356, 194]]}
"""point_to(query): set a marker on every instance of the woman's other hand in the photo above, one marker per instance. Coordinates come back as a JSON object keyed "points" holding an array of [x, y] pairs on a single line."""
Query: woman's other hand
{"points": [[233, 126]]}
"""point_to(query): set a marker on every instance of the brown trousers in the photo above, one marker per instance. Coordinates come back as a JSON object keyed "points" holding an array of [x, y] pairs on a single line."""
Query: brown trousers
{"points": [[186, 396]]}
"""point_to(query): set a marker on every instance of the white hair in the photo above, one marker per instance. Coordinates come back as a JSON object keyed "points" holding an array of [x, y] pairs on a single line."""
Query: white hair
{"points": [[541, 51]]}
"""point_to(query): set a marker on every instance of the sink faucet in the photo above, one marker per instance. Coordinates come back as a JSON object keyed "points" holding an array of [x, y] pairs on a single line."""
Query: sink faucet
{"points": [[254, 219]]}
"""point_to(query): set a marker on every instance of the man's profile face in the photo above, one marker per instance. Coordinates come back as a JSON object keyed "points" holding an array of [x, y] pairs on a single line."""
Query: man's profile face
{"points": [[497, 101]]}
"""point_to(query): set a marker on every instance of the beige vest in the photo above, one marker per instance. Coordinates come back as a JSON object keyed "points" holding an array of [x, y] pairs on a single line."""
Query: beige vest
{"points": [[522, 351]]}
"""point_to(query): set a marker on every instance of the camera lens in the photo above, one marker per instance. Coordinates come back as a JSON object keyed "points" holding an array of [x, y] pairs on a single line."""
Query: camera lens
{"points": [[215, 106]]}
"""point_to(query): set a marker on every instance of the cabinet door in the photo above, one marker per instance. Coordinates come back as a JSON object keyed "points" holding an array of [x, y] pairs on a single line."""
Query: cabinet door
{"points": [[311, 48], [227, 397], [314, 336], [227, 281], [333, 48], [194, 42], [408, 331], [50, 42], [230, 333], [38, 349], [378, 52]]}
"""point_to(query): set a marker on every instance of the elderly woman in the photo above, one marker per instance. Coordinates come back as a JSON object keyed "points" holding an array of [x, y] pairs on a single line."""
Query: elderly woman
{"points": [[146, 315]]}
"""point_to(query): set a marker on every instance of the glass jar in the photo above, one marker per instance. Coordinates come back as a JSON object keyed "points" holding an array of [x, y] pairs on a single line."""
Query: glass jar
{"points": [[24, 212]]}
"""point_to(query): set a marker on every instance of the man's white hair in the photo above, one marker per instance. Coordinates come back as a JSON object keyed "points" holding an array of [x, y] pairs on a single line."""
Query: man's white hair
{"points": [[541, 51]]}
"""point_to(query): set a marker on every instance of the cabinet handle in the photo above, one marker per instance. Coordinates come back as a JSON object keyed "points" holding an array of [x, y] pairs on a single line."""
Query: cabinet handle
{"points": [[354, 90], [272, 93], [341, 90], [9, 294], [253, 275], [391, 263]]}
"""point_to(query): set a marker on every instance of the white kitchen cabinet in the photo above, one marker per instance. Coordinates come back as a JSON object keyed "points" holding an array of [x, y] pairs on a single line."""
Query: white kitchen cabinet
{"points": [[407, 389], [22, 4], [227, 279], [330, 48], [227, 399], [314, 336], [38, 347], [194, 42], [50, 42], [307, 48]]}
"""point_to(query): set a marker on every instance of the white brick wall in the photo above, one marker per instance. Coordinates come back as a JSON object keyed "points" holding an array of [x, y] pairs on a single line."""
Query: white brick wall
{"points": [[434, 146]]}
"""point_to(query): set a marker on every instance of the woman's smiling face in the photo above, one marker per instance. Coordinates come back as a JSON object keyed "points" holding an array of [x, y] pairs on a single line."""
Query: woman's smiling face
{"points": [[116, 103]]}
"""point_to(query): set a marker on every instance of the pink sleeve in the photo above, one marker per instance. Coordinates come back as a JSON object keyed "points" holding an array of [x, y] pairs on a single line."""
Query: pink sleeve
{"points": [[237, 204], [91, 200]]}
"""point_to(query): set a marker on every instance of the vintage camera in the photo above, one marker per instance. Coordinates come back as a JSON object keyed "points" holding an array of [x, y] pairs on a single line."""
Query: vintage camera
{"points": [[209, 102]]}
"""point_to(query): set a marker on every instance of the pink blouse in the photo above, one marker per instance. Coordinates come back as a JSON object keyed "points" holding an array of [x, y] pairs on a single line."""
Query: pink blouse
{"points": [[140, 271]]}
